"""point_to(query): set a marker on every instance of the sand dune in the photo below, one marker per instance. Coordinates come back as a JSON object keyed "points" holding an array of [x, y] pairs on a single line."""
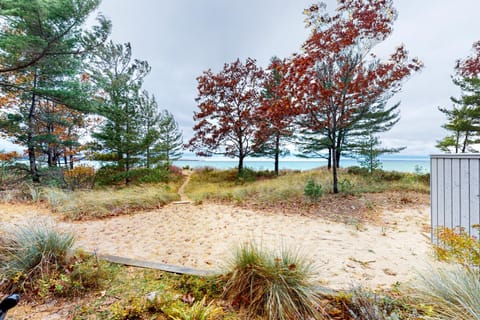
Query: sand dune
{"points": [[204, 236]]}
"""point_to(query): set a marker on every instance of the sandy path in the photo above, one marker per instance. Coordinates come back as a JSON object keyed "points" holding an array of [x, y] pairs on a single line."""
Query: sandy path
{"points": [[203, 237]]}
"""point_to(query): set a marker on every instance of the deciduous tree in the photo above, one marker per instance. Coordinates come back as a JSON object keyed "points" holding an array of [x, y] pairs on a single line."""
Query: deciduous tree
{"points": [[275, 116], [335, 80], [226, 122]]}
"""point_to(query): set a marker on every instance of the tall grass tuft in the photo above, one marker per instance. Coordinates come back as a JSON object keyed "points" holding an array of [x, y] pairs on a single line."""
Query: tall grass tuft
{"points": [[269, 285], [28, 252], [452, 291]]}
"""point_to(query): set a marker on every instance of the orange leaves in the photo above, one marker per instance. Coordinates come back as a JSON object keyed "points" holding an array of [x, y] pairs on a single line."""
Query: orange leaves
{"points": [[9, 156]]}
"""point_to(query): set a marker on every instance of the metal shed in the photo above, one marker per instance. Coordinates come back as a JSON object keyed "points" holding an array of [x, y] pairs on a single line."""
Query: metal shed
{"points": [[455, 191]]}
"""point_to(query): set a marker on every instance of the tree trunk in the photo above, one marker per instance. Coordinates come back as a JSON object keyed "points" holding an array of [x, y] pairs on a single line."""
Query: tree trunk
{"points": [[127, 169], [338, 155], [30, 132], [465, 141], [240, 164], [334, 171], [277, 152], [329, 162]]}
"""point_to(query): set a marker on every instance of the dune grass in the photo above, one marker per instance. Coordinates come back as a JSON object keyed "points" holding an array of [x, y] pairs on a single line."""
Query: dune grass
{"points": [[94, 204], [31, 249], [271, 285], [452, 291], [209, 184]]}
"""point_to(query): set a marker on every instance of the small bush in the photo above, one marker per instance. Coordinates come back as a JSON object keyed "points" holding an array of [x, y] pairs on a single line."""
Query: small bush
{"points": [[270, 285], [313, 191], [346, 187], [359, 171], [457, 246], [389, 176], [144, 175], [80, 177], [108, 175], [199, 287], [81, 274], [452, 291], [32, 251], [366, 305], [246, 175]]}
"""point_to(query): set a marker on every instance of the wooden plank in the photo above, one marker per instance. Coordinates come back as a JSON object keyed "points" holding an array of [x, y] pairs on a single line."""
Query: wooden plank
{"points": [[447, 222], [464, 195], [154, 265], [474, 196], [434, 190]]}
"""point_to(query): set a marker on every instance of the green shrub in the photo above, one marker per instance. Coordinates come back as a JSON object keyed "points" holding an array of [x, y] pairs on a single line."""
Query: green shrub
{"points": [[273, 286], [144, 175], [313, 191], [199, 287], [453, 292], [246, 175], [108, 175], [359, 171], [32, 251], [389, 176], [346, 187]]}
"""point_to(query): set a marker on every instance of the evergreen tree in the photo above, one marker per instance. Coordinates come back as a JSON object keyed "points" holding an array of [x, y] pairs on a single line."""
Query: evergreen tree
{"points": [[463, 123], [150, 119], [40, 54], [368, 151], [41, 29], [119, 80], [169, 145]]}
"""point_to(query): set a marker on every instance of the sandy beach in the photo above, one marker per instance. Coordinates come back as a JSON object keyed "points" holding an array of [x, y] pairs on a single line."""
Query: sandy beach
{"points": [[204, 236]]}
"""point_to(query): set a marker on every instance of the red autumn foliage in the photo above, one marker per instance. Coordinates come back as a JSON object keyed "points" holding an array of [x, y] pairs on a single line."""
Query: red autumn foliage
{"points": [[333, 82], [226, 121], [470, 67], [275, 114]]}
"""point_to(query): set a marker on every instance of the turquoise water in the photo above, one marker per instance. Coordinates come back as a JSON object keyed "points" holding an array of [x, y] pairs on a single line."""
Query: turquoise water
{"points": [[402, 164]]}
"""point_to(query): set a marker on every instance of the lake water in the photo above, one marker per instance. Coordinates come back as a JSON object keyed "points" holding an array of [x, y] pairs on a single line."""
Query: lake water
{"points": [[398, 163]]}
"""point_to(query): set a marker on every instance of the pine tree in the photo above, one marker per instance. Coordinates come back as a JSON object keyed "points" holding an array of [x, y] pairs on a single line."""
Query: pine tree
{"points": [[369, 150], [119, 80], [169, 145], [36, 30]]}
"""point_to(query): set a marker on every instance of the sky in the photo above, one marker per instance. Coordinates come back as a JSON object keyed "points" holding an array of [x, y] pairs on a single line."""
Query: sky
{"points": [[180, 39]]}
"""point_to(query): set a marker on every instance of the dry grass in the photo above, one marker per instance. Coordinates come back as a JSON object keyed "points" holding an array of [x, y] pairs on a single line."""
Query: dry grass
{"points": [[359, 198], [274, 286], [93, 204]]}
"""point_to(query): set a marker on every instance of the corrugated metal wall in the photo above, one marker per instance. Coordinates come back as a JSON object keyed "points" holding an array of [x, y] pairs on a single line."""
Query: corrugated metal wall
{"points": [[455, 191]]}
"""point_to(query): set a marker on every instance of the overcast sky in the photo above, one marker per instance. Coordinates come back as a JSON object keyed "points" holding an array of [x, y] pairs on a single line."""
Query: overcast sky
{"points": [[182, 38]]}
